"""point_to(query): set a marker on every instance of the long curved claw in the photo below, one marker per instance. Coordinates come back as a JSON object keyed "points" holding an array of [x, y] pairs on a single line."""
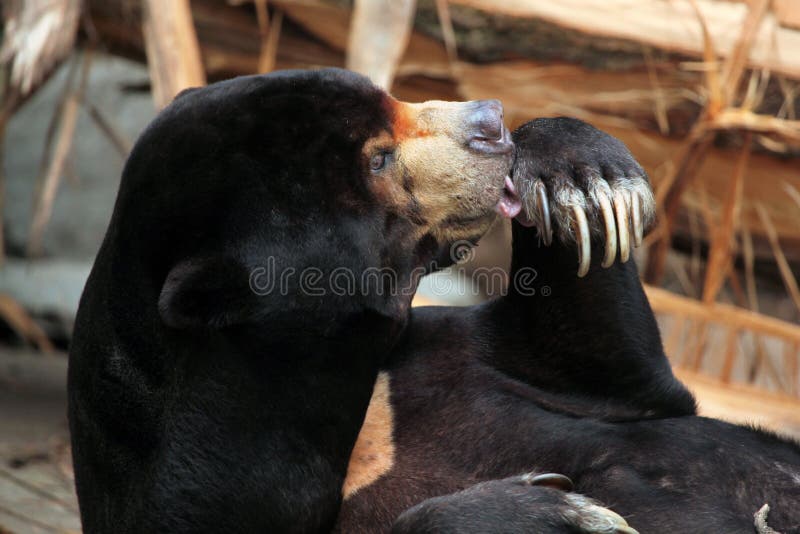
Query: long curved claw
{"points": [[552, 480], [636, 217], [620, 525], [583, 240], [544, 215], [596, 518], [611, 230], [621, 210]]}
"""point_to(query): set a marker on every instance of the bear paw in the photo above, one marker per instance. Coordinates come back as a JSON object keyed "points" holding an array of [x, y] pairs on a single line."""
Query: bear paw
{"points": [[581, 185], [526, 503], [577, 510]]}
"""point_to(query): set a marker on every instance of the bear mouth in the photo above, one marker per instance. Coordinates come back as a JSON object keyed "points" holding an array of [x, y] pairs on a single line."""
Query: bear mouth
{"points": [[510, 203]]}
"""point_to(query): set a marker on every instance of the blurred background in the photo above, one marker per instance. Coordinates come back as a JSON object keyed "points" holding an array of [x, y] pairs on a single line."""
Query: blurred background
{"points": [[704, 92]]}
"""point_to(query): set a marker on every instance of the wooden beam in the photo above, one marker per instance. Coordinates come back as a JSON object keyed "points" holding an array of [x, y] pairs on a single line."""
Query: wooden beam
{"points": [[663, 301], [671, 26], [788, 12], [173, 53], [379, 35]]}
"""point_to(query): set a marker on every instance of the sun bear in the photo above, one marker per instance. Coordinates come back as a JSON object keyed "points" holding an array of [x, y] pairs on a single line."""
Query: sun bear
{"points": [[246, 359]]}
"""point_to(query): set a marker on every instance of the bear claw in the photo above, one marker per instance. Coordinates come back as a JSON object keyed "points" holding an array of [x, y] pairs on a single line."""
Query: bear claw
{"points": [[617, 212], [636, 218], [611, 230], [596, 519], [544, 214], [584, 241], [552, 480], [621, 209]]}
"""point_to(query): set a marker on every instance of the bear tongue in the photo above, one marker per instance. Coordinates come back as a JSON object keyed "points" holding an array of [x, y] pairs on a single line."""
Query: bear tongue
{"points": [[510, 204]]}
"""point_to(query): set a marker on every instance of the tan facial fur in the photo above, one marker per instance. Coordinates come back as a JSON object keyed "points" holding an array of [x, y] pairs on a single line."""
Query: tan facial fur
{"points": [[434, 178], [373, 454]]}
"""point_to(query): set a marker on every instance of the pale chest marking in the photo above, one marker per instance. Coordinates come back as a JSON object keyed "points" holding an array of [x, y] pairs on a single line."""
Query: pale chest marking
{"points": [[373, 454]]}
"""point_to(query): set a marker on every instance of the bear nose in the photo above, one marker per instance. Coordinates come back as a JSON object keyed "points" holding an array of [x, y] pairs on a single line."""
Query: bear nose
{"points": [[486, 120], [485, 128]]}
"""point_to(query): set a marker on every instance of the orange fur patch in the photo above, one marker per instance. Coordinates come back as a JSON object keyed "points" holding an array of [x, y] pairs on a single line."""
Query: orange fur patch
{"points": [[404, 123], [373, 454]]}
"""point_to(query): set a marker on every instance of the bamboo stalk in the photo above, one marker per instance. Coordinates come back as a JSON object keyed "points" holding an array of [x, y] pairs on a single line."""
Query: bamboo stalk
{"points": [[659, 99], [734, 66], [791, 353], [731, 342], [719, 257], [700, 338], [783, 265], [743, 302], [739, 295], [66, 120], [687, 163], [673, 341], [695, 260], [749, 266], [721, 90], [120, 142], [680, 272], [44, 204], [20, 322], [52, 126]]}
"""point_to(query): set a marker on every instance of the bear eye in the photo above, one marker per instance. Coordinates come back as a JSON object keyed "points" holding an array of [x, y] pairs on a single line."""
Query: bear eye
{"points": [[378, 160]]}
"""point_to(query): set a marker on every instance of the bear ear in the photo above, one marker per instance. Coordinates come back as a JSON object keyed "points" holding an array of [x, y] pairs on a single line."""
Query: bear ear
{"points": [[212, 292], [185, 92]]}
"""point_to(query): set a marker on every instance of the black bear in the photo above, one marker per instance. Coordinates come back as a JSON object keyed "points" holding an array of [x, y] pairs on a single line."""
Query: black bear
{"points": [[568, 378]]}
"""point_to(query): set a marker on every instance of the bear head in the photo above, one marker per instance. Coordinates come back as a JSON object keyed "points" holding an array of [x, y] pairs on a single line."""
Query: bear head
{"points": [[269, 185]]}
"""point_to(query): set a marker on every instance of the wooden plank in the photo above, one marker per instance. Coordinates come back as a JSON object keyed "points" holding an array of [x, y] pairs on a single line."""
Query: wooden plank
{"points": [[667, 25], [742, 404]]}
